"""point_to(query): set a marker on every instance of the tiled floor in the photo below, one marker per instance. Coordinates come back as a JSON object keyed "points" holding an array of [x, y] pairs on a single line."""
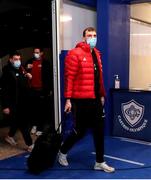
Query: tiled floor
{"points": [[7, 150]]}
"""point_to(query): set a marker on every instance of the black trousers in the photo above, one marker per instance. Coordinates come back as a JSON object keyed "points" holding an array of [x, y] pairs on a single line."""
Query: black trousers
{"points": [[87, 114], [19, 119], [41, 109], [37, 108]]}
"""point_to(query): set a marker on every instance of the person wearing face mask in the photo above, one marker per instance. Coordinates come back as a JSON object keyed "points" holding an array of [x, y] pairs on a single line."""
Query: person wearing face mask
{"points": [[85, 95], [40, 90], [14, 83]]}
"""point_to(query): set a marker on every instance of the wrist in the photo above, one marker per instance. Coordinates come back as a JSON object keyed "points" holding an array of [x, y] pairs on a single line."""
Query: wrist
{"points": [[68, 100]]}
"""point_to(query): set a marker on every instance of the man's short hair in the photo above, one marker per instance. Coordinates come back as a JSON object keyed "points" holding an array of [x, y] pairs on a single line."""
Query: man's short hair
{"points": [[37, 47], [14, 53], [88, 29]]}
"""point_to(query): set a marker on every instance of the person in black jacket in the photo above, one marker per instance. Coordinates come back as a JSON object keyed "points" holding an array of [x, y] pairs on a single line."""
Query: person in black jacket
{"points": [[40, 90], [14, 83]]}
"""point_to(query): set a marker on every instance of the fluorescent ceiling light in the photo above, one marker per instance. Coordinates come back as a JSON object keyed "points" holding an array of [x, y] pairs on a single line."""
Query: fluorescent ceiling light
{"points": [[65, 18]]}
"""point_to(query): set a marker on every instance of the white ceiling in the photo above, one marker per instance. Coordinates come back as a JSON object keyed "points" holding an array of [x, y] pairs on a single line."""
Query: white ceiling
{"points": [[141, 12]]}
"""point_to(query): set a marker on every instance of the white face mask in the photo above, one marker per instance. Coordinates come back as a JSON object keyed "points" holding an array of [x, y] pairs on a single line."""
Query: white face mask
{"points": [[36, 55], [16, 64]]}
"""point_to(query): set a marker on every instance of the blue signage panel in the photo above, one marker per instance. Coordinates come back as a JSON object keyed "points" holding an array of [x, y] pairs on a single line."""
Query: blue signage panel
{"points": [[132, 115]]}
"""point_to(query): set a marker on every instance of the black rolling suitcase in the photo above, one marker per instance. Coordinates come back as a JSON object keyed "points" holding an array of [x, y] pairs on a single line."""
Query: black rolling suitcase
{"points": [[45, 151]]}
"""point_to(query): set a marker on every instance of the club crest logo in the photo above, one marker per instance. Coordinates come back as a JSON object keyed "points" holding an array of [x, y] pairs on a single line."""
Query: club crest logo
{"points": [[133, 112]]}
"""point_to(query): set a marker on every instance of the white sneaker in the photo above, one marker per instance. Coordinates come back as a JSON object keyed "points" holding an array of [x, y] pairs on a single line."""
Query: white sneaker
{"points": [[11, 140], [30, 148], [34, 130], [62, 159], [38, 133], [103, 167]]}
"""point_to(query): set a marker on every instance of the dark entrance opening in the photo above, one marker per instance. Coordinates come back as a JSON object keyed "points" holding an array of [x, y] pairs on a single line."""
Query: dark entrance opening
{"points": [[25, 24]]}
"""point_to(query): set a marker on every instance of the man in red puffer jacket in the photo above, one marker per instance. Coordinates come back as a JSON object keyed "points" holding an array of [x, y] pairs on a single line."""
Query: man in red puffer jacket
{"points": [[85, 94]]}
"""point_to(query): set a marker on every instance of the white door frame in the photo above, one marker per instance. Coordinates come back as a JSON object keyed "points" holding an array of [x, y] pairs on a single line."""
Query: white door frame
{"points": [[55, 7]]}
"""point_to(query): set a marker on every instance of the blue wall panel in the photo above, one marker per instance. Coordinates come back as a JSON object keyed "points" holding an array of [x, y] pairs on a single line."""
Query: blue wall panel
{"points": [[119, 30], [113, 41], [91, 3], [62, 58]]}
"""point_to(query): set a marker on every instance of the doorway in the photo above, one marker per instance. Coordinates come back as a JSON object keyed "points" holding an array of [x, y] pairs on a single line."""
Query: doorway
{"points": [[25, 24]]}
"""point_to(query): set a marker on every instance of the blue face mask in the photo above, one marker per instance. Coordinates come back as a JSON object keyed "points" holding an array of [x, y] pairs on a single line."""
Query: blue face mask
{"points": [[91, 41], [17, 64]]}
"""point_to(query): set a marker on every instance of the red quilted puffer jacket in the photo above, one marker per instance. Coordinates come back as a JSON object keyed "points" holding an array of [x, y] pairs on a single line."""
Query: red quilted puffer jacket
{"points": [[79, 73]]}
